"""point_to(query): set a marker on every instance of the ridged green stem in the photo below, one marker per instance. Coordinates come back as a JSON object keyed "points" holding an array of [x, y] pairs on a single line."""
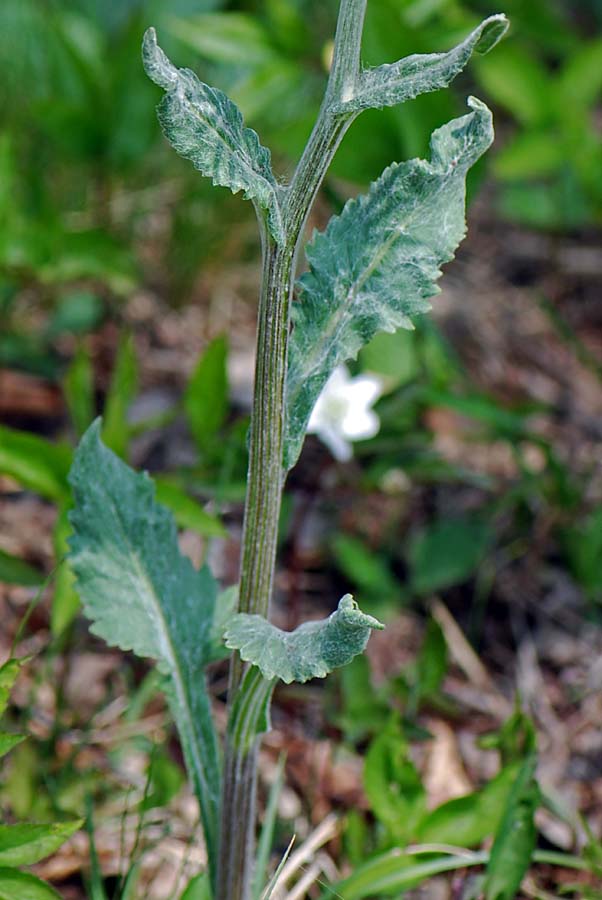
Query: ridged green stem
{"points": [[266, 475]]}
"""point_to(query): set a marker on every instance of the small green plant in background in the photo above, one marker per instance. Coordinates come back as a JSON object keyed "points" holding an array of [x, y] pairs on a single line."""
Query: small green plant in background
{"points": [[24, 844]]}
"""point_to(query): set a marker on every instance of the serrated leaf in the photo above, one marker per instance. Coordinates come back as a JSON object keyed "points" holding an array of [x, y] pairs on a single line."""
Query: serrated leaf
{"points": [[395, 83], [310, 651], [206, 127], [25, 844], [16, 885], [143, 595], [377, 263]]}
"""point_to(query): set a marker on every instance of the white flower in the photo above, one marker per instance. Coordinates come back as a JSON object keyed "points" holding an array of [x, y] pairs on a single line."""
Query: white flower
{"points": [[343, 411]]}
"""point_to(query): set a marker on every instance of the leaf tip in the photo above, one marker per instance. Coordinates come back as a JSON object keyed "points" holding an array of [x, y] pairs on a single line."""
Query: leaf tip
{"points": [[493, 30], [156, 64]]}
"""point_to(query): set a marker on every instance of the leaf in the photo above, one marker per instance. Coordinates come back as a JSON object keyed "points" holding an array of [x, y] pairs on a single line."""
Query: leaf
{"points": [[143, 595], [393, 786], [78, 386], [230, 37], [515, 838], [24, 845], [310, 651], [206, 397], [395, 83], [188, 513], [206, 127], [16, 571], [431, 664], [395, 872], [198, 888], [37, 464], [447, 553], [16, 885], [9, 672], [122, 390], [517, 80], [8, 741], [377, 263], [65, 599], [467, 821]]}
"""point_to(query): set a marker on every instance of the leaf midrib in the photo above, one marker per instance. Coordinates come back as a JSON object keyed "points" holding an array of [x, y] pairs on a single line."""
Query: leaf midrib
{"points": [[170, 656]]}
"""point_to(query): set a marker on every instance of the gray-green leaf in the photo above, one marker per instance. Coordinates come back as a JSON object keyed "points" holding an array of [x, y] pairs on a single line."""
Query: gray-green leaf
{"points": [[310, 651], [377, 263], [395, 83], [206, 127], [143, 595]]}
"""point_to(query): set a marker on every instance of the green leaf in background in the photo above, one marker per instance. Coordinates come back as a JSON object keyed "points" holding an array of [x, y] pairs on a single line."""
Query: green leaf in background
{"points": [[467, 821], [431, 664], [368, 571], [392, 873], [122, 390], [447, 553], [198, 888], [24, 844], [517, 80], [165, 780], [377, 263], [310, 651], [16, 885], [187, 512], [143, 595], [77, 312], [515, 740], [78, 386], [65, 599], [206, 397], [16, 571], [206, 127], [583, 547], [221, 37], [393, 786], [39, 465], [8, 675], [395, 83], [515, 837], [393, 356], [8, 741], [365, 710]]}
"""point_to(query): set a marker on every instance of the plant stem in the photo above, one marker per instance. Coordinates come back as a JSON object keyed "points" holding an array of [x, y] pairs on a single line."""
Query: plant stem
{"points": [[266, 475]]}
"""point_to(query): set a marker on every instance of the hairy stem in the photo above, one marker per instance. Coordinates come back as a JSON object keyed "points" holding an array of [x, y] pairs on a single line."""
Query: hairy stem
{"points": [[265, 475]]}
